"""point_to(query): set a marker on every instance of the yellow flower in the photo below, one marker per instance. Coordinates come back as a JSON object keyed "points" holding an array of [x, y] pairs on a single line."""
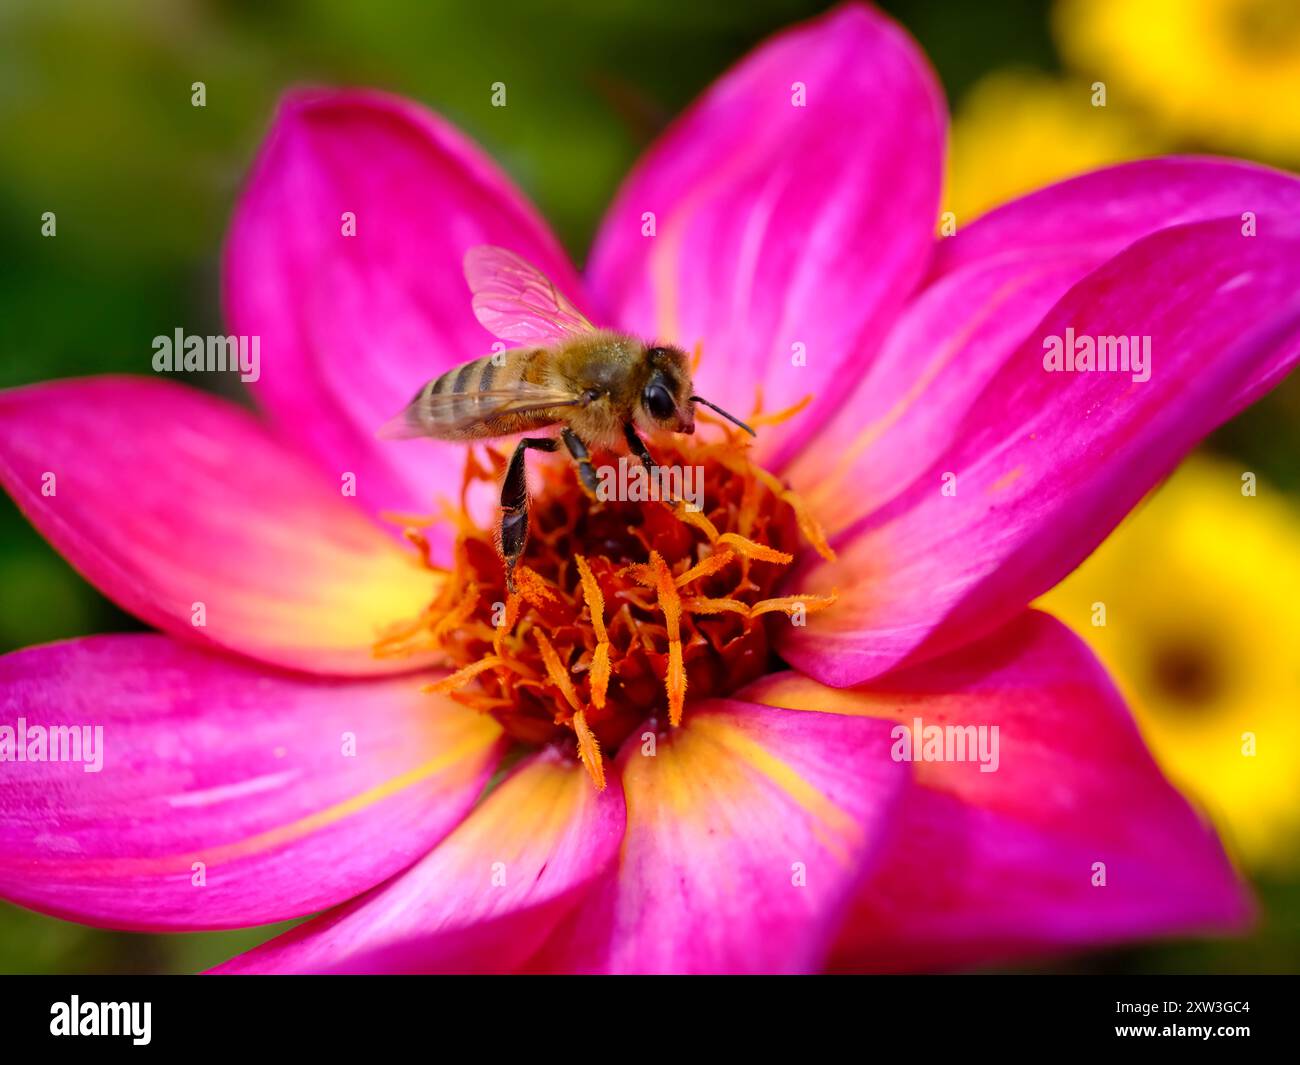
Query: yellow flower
{"points": [[1226, 72], [1018, 130], [1201, 597]]}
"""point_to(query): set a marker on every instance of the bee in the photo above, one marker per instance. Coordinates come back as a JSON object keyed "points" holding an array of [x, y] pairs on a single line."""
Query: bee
{"points": [[599, 386]]}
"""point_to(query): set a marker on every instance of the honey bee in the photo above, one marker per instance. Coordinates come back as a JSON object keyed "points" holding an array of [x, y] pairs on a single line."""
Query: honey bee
{"points": [[598, 385]]}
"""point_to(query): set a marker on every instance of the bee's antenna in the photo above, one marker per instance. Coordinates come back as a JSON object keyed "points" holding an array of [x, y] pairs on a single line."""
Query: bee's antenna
{"points": [[731, 418]]}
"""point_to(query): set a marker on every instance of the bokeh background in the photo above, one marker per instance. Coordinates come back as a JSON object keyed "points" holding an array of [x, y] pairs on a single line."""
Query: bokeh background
{"points": [[97, 125]]}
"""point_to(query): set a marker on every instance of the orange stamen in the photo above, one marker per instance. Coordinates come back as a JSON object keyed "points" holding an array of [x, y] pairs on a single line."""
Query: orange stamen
{"points": [[758, 552], [534, 590], [463, 676], [698, 604], [421, 542], [596, 608], [790, 603], [508, 620], [589, 750], [671, 604], [777, 417], [456, 616], [555, 669], [707, 568], [699, 521], [397, 638], [808, 525]]}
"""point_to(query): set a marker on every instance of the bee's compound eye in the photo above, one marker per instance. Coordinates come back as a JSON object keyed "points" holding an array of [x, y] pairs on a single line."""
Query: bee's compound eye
{"points": [[659, 402]]}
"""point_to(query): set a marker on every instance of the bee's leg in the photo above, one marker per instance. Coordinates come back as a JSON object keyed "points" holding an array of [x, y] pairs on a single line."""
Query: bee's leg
{"points": [[514, 504], [637, 446], [586, 471]]}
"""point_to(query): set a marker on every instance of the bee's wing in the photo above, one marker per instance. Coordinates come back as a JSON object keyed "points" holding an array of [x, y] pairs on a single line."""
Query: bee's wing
{"points": [[515, 301], [439, 413]]}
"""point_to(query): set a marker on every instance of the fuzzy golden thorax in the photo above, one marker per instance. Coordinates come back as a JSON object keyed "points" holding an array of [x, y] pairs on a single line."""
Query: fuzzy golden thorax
{"points": [[615, 369]]}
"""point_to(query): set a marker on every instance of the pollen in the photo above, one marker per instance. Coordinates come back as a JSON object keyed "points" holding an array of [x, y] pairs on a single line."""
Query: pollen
{"points": [[623, 611]]}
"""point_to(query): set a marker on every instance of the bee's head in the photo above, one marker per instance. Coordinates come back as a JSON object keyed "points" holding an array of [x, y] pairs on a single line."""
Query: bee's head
{"points": [[665, 399]]}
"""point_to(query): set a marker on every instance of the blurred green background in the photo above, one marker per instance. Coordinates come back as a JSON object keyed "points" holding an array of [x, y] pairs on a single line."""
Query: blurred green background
{"points": [[98, 126]]}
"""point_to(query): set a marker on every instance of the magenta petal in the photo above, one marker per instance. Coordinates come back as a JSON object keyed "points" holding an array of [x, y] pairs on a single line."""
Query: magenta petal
{"points": [[989, 286], [484, 899], [1044, 464], [779, 225], [188, 513], [1104, 211], [985, 866], [293, 793], [746, 829], [352, 326], [938, 357]]}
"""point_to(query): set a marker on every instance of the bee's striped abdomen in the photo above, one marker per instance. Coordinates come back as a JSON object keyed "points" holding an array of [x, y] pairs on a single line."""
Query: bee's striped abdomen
{"points": [[466, 413], [462, 381]]}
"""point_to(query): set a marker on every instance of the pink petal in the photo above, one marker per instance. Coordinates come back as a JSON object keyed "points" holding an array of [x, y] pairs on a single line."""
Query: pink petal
{"points": [[779, 225], [166, 498], [1047, 463], [352, 326], [908, 402], [206, 759], [1100, 213], [484, 899], [1106, 210], [989, 865], [746, 829], [990, 286]]}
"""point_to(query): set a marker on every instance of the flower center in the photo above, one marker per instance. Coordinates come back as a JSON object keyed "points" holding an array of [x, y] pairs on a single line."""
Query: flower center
{"points": [[1187, 673], [622, 605]]}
